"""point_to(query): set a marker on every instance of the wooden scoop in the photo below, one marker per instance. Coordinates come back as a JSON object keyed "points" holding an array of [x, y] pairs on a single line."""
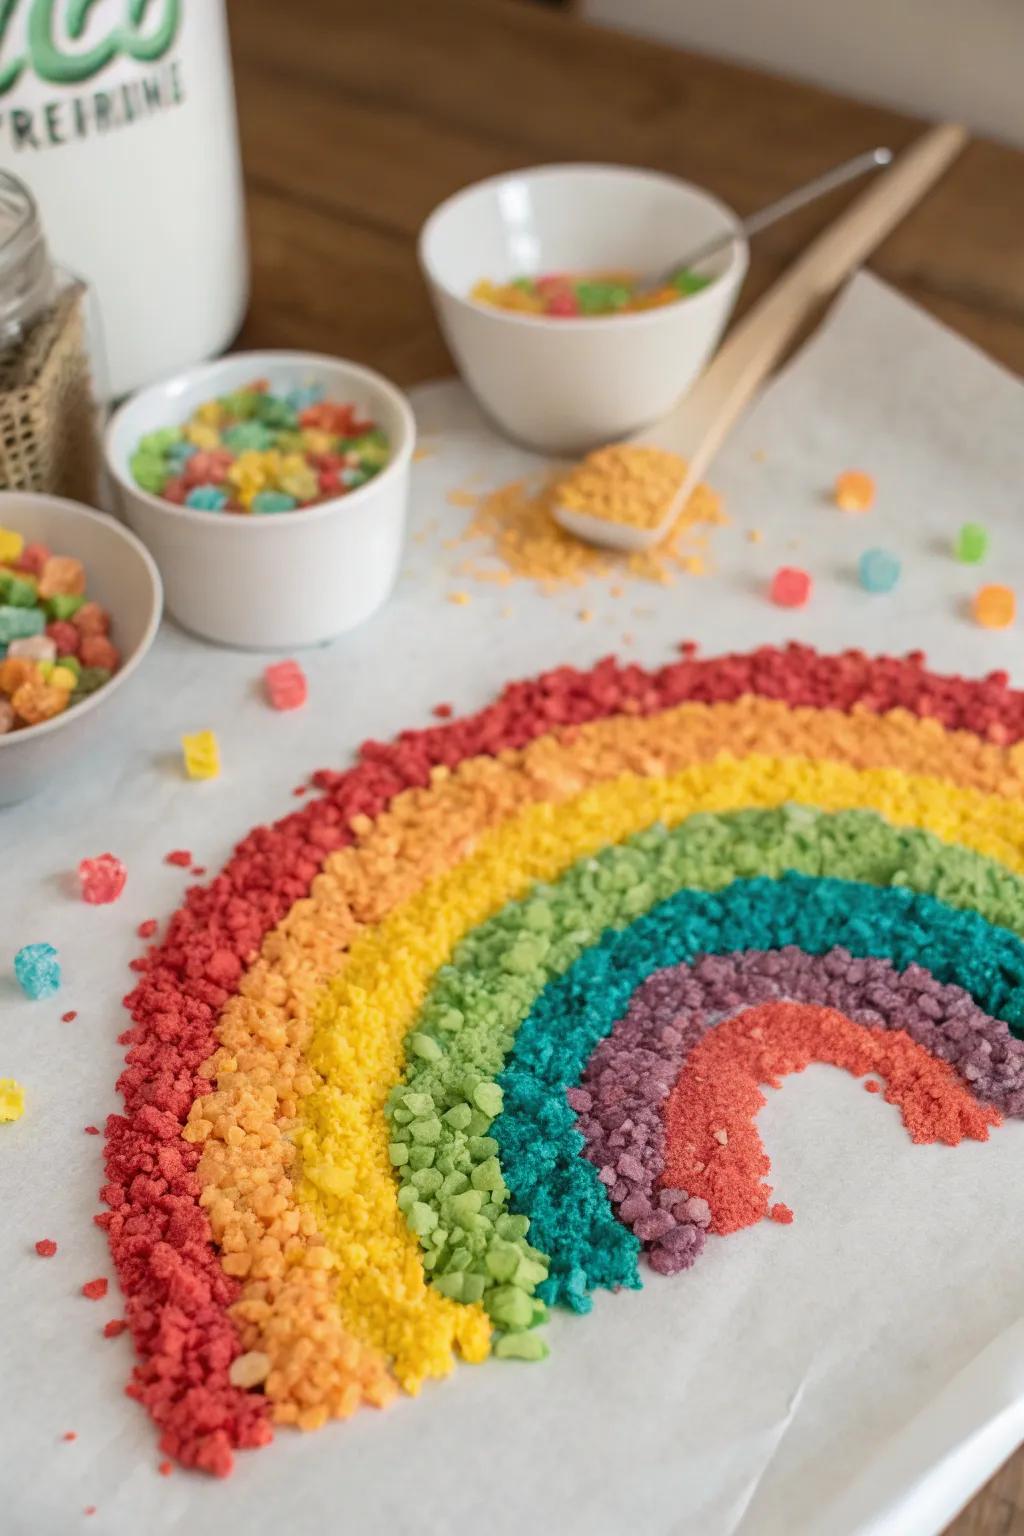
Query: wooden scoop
{"points": [[700, 423]]}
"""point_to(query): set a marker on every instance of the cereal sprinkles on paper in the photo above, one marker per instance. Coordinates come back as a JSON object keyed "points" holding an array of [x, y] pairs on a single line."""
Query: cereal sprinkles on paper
{"points": [[628, 903]]}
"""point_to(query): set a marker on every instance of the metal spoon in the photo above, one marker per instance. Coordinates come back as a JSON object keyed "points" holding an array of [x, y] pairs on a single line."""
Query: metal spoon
{"points": [[872, 160]]}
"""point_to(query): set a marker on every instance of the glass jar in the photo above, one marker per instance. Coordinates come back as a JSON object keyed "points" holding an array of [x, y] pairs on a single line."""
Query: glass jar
{"points": [[49, 360]]}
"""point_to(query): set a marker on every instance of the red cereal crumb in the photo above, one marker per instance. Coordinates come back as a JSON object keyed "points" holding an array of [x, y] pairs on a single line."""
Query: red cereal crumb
{"points": [[70, 1434], [198, 869], [115, 1328], [95, 1290], [70, 1016], [165, 1469], [90, 1509], [92, 1130], [301, 789], [780, 1212], [872, 1086], [46, 1247], [180, 857], [443, 711], [147, 929]]}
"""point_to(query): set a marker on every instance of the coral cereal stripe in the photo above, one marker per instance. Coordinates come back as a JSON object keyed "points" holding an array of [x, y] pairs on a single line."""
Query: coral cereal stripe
{"points": [[713, 1149], [159, 1234]]}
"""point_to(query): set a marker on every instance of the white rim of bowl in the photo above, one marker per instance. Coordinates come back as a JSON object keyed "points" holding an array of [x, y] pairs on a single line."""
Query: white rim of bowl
{"points": [[76, 711], [579, 322], [400, 457]]}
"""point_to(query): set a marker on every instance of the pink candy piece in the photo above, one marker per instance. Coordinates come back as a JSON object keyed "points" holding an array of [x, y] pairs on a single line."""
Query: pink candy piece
{"points": [[102, 879], [791, 587], [32, 559], [286, 685], [34, 648]]}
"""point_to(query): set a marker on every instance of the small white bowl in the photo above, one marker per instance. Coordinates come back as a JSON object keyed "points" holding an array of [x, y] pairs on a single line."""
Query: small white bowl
{"points": [[565, 386], [119, 574], [279, 581]]}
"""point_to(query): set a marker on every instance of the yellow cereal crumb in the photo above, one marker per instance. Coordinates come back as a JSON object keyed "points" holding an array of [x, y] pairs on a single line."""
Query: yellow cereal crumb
{"points": [[754, 536], [585, 615], [460, 599], [12, 1100], [463, 498]]}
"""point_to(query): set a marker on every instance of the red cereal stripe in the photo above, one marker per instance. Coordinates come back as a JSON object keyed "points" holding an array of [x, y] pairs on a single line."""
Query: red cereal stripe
{"points": [[177, 1293]]}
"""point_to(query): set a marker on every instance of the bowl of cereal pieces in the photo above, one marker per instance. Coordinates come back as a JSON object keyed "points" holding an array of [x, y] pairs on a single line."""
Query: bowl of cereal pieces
{"points": [[271, 488], [80, 603]]}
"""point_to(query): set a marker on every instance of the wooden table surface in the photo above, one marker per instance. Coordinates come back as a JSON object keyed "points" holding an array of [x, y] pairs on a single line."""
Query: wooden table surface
{"points": [[357, 118]]}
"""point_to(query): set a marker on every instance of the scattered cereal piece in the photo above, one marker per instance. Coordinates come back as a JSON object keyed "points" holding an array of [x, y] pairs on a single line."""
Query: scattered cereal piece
{"points": [[781, 1213], [180, 857], [971, 544], [871, 1086], [165, 1469], [92, 1130], [146, 929], [37, 970], [69, 1435], [249, 1370], [115, 1328], [95, 1290], [201, 754], [855, 491], [46, 1248], [879, 570], [791, 587], [995, 607], [102, 879], [460, 599], [90, 1509], [442, 711], [70, 1016], [585, 615], [12, 1100], [198, 870], [286, 685]]}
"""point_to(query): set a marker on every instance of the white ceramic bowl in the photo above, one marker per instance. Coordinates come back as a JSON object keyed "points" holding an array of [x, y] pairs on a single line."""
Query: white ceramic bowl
{"points": [[565, 386], [275, 581], [119, 574]]}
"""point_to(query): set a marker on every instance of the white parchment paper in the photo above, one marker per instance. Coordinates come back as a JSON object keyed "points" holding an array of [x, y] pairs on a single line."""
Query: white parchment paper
{"points": [[860, 1371]]}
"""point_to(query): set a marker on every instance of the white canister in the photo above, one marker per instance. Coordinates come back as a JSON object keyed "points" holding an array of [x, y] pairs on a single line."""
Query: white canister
{"points": [[120, 117]]}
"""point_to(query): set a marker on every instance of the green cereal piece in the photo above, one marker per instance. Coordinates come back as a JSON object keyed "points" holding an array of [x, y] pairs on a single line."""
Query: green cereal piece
{"points": [[421, 1218], [272, 411], [290, 442], [372, 447], [398, 1153], [450, 1285], [92, 678], [241, 404], [20, 623], [425, 1047], [472, 1287], [689, 282], [247, 435], [459, 1116], [416, 1103], [520, 1346], [156, 443], [502, 1260], [427, 1180], [421, 1156], [512, 1226], [148, 471], [601, 298], [64, 604], [971, 543], [426, 1130], [17, 592], [509, 1307], [481, 1147], [487, 1175], [488, 1098]]}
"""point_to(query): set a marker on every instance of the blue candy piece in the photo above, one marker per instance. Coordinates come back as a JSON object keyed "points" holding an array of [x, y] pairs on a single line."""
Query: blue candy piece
{"points": [[273, 501], [179, 455], [206, 498], [19, 623], [879, 570], [38, 970], [305, 395]]}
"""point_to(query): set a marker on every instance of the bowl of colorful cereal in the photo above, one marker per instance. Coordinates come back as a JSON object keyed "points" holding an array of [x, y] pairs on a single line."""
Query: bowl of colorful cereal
{"points": [[80, 603], [271, 488], [534, 276]]}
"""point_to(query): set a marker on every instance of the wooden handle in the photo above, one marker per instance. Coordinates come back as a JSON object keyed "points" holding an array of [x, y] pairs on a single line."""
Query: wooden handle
{"points": [[704, 418]]}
